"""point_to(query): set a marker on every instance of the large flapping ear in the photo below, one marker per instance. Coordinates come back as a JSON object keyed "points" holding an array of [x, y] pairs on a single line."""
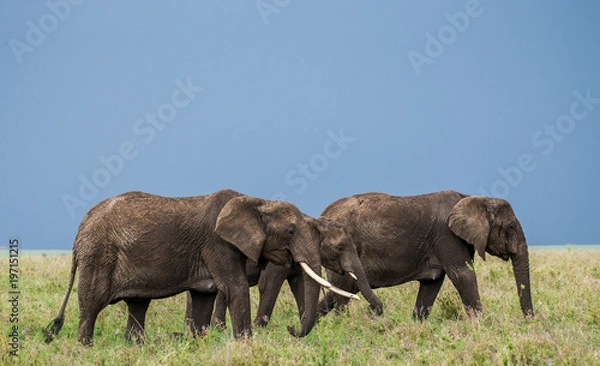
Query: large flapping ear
{"points": [[239, 223], [320, 225], [323, 224], [326, 224], [469, 220], [311, 221], [513, 231]]}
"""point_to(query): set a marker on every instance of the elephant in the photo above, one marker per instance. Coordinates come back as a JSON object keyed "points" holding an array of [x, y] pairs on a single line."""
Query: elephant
{"points": [[138, 246], [426, 237], [338, 254]]}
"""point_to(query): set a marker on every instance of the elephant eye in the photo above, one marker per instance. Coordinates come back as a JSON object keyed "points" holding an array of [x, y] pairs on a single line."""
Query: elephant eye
{"points": [[291, 230], [340, 248]]}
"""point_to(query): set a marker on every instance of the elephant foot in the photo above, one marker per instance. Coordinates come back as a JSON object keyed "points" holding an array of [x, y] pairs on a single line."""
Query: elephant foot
{"points": [[292, 330], [177, 335], [421, 314], [136, 338], [86, 341], [298, 334], [261, 321], [245, 335], [219, 324]]}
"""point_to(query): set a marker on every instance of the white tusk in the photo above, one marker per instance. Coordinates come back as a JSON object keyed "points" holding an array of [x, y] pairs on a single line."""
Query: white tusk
{"points": [[344, 293], [353, 276], [314, 276]]}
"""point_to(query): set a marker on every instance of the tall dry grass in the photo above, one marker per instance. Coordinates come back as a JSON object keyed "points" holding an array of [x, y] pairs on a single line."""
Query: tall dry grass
{"points": [[565, 330]]}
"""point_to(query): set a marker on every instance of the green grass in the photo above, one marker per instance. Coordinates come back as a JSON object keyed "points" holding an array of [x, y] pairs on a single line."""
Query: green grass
{"points": [[565, 330]]}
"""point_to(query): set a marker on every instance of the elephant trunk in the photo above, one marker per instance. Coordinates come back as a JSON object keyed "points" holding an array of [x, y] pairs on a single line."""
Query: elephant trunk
{"points": [[304, 250], [520, 262], [366, 290], [311, 302]]}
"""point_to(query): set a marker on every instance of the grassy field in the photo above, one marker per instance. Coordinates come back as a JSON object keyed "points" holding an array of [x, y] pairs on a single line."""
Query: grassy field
{"points": [[565, 330]]}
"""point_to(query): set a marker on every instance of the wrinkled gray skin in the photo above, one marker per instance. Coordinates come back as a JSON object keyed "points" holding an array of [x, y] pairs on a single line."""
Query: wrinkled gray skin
{"points": [[137, 246], [338, 254], [424, 238]]}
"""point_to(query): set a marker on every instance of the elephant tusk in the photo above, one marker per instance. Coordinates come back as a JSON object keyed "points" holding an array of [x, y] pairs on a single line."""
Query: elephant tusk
{"points": [[344, 293], [314, 276], [353, 276]]}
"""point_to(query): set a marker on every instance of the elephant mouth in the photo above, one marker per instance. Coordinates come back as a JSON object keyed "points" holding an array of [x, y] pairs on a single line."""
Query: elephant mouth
{"points": [[345, 273], [280, 257], [335, 267]]}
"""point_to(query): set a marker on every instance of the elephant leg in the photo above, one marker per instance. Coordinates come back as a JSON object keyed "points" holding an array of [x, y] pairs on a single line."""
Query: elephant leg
{"points": [[87, 321], [202, 308], [85, 331], [297, 286], [229, 275], [188, 307], [136, 319], [428, 291], [465, 281], [340, 303], [326, 305], [332, 301], [239, 309], [219, 314], [90, 305], [269, 286]]}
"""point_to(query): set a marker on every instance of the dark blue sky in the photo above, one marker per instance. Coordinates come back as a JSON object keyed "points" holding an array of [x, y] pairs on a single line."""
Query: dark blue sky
{"points": [[299, 100]]}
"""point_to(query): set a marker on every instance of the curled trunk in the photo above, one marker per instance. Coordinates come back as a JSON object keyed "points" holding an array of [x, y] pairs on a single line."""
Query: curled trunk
{"points": [[352, 266], [367, 292]]}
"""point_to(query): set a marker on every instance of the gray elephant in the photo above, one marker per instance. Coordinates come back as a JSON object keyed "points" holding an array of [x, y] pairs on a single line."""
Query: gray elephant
{"points": [[424, 238], [338, 254], [137, 246]]}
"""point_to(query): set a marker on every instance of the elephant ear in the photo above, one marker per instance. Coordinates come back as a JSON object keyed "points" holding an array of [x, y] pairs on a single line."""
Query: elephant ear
{"points": [[239, 224], [469, 221], [511, 227], [322, 223], [319, 225], [311, 221]]}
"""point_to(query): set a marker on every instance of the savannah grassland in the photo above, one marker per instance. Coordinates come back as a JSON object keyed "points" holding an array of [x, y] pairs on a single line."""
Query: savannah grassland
{"points": [[565, 330]]}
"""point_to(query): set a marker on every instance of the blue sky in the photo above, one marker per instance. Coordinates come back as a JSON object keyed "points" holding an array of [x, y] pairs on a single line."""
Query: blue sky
{"points": [[299, 100]]}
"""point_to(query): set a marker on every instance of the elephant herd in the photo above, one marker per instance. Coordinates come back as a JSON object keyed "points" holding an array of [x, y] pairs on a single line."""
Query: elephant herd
{"points": [[137, 247]]}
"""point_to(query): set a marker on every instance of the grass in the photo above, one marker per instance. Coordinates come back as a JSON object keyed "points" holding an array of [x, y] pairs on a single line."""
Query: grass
{"points": [[565, 330]]}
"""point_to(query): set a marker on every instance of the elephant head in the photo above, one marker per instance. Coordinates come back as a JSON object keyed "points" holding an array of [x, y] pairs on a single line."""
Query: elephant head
{"points": [[338, 253], [278, 232], [490, 225]]}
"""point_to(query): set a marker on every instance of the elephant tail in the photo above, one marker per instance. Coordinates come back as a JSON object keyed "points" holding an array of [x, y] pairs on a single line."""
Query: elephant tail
{"points": [[55, 325]]}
